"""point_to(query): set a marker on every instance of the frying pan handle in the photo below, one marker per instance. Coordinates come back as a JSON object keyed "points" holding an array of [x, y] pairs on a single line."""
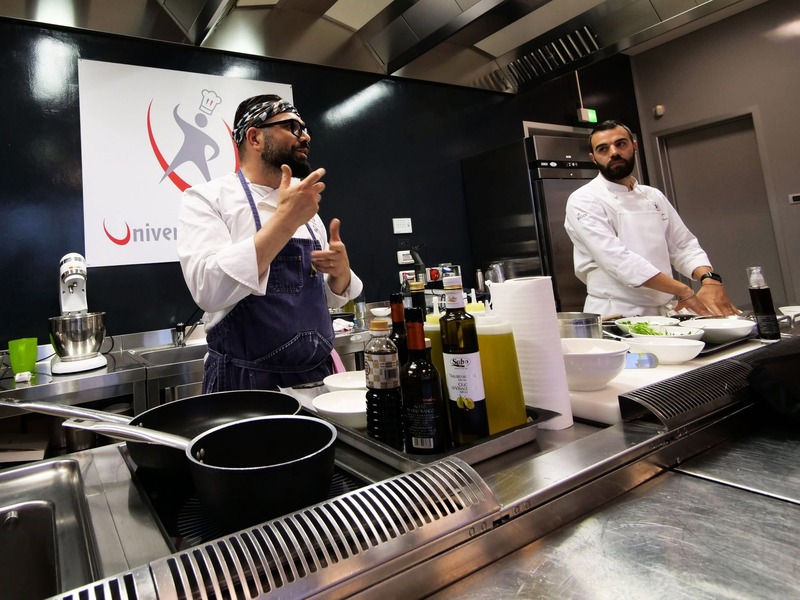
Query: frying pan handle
{"points": [[64, 410], [131, 433]]}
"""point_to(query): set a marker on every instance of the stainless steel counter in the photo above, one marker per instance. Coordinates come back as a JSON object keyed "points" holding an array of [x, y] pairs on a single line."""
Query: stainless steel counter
{"points": [[610, 512], [122, 376], [722, 525]]}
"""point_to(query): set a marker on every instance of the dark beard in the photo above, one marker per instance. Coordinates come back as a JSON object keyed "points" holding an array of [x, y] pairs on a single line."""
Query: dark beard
{"points": [[618, 172], [273, 157]]}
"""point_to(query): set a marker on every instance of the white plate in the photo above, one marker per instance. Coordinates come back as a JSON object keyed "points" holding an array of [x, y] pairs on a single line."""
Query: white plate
{"points": [[669, 350], [348, 407], [722, 330], [790, 311], [348, 380]]}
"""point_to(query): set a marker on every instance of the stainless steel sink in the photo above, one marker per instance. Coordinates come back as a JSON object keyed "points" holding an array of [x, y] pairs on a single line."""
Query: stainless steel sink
{"points": [[46, 544], [170, 356]]}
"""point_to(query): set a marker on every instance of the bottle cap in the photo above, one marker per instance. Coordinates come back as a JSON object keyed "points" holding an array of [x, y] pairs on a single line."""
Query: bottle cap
{"points": [[756, 277], [379, 325], [453, 281], [416, 286], [396, 298]]}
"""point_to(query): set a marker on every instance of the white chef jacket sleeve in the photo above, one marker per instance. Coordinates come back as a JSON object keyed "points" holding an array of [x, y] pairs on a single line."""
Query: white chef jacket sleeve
{"points": [[596, 243], [685, 252], [356, 285], [219, 265]]}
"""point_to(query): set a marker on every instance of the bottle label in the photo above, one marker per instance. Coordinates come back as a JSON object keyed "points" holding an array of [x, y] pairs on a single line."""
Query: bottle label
{"points": [[382, 371], [768, 327], [454, 298], [464, 378], [422, 422]]}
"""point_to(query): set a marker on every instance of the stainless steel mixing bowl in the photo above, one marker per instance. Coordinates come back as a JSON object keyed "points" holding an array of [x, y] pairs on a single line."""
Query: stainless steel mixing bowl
{"points": [[579, 325], [78, 337]]}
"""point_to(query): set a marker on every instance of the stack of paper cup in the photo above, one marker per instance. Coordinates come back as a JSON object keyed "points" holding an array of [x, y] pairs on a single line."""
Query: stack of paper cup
{"points": [[528, 304]]}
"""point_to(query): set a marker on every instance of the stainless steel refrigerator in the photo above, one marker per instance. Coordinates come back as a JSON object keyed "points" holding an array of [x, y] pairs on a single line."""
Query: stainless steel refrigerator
{"points": [[516, 198]]}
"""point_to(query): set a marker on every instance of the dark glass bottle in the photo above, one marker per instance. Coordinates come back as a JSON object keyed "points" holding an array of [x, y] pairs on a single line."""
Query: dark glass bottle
{"points": [[763, 308], [384, 398], [398, 334], [418, 296], [462, 366], [427, 430]]}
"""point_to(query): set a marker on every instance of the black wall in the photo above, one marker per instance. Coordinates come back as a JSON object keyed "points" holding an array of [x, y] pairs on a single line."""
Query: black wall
{"points": [[400, 158]]}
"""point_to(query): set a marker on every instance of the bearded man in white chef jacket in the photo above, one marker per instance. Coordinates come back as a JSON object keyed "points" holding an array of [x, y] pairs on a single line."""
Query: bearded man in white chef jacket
{"points": [[628, 237], [256, 257]]}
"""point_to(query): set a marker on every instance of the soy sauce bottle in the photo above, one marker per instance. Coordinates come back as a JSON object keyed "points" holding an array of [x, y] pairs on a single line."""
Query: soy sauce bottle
{"points": [[763, 308], [384, 398]]}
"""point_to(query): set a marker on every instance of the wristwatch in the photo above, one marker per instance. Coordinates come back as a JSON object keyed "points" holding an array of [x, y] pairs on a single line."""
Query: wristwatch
{"points": [[710, 275]]}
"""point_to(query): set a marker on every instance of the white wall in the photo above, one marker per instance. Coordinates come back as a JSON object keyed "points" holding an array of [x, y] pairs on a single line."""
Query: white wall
{"points": [[746, 64]]}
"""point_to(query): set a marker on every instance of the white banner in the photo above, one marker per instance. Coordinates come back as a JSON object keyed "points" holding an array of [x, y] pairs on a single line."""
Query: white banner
{"points": [[146, 135]]}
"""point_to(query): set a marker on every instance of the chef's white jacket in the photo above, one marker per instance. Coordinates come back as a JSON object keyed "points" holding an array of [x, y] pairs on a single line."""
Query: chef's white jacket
{"points": [[216, 250], [622, 238]]}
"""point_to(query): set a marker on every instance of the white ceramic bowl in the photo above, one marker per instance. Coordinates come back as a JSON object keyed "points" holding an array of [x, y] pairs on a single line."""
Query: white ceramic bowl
{"points": [[687, 333], [348, 407], [625, 323], [669, 350], [381, 311], [721, 330], [592, 363], [790, 311], [348, 380]]}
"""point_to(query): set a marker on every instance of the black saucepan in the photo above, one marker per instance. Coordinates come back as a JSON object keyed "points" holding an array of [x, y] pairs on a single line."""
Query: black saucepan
{"points": [[249, 471], [186, 418]]}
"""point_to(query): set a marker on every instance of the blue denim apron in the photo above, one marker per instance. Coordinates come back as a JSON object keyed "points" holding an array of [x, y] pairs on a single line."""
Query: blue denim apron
{"points": [[283, 338]]}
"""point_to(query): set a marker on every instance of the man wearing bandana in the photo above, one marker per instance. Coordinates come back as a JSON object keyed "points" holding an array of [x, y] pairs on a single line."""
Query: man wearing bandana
{"points": [[257, 259]]}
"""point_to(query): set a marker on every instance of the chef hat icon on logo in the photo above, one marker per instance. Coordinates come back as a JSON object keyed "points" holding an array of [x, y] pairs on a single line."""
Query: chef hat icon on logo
{"points": [[210, 101]]}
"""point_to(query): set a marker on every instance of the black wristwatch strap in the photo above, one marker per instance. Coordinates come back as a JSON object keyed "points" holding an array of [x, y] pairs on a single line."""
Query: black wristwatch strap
{"points": [[710, 275]]}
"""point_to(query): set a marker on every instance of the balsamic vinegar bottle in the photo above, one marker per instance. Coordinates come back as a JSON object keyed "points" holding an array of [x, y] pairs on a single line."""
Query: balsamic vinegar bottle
{"points": [[462, 366], [763, 309], [426, 425], [399, 335]]}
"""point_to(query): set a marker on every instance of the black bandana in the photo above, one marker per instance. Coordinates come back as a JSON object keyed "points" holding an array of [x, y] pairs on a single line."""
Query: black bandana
{"points": [[258, 114]]}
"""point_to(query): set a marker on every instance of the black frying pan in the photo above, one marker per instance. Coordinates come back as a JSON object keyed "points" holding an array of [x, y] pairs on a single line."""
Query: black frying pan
{"points": [[187, 418], [249, 471]]}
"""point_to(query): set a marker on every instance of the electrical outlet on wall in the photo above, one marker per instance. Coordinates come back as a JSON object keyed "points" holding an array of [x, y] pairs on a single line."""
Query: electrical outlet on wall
{"points": [[406, 275], [794, 198], [401, 225], [404, 257]]}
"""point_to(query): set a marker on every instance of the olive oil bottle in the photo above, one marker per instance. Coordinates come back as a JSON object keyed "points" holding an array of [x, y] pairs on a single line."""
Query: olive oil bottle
{"points": [[462, 367]]}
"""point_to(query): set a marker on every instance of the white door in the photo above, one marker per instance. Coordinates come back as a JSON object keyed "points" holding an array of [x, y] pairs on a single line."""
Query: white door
{"points": [[716, 183]]}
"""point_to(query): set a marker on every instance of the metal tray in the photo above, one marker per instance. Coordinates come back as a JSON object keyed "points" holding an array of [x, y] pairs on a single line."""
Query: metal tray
{"points": [[471, 454], [712, 348]]}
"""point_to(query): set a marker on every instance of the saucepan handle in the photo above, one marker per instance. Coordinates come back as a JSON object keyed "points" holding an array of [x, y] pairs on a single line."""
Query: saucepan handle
{"points": [[131, 433], [63, 410]]}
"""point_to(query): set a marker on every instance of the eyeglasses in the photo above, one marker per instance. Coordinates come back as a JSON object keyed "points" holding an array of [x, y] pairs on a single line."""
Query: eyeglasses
{"points": [[298, 128]]}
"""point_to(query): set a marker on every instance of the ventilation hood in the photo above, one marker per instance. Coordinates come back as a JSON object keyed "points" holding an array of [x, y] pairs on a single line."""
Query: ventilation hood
{"points": [[506, 46]]}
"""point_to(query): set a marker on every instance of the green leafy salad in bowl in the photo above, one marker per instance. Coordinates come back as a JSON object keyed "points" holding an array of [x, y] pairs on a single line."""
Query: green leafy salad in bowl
{"points": [[626, 323], [640, 330]]}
